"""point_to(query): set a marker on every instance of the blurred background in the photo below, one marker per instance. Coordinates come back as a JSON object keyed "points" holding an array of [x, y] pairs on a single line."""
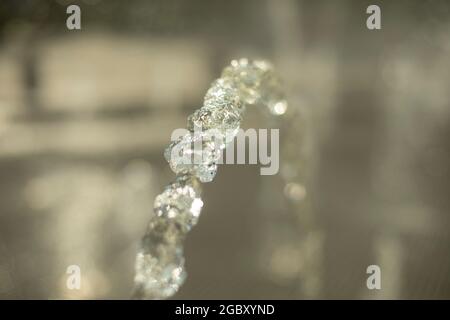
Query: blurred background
{"points": [[364, 170]]}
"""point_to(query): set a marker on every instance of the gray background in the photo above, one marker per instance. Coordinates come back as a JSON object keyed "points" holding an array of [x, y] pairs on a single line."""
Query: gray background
{"points": [[85, 116]]}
